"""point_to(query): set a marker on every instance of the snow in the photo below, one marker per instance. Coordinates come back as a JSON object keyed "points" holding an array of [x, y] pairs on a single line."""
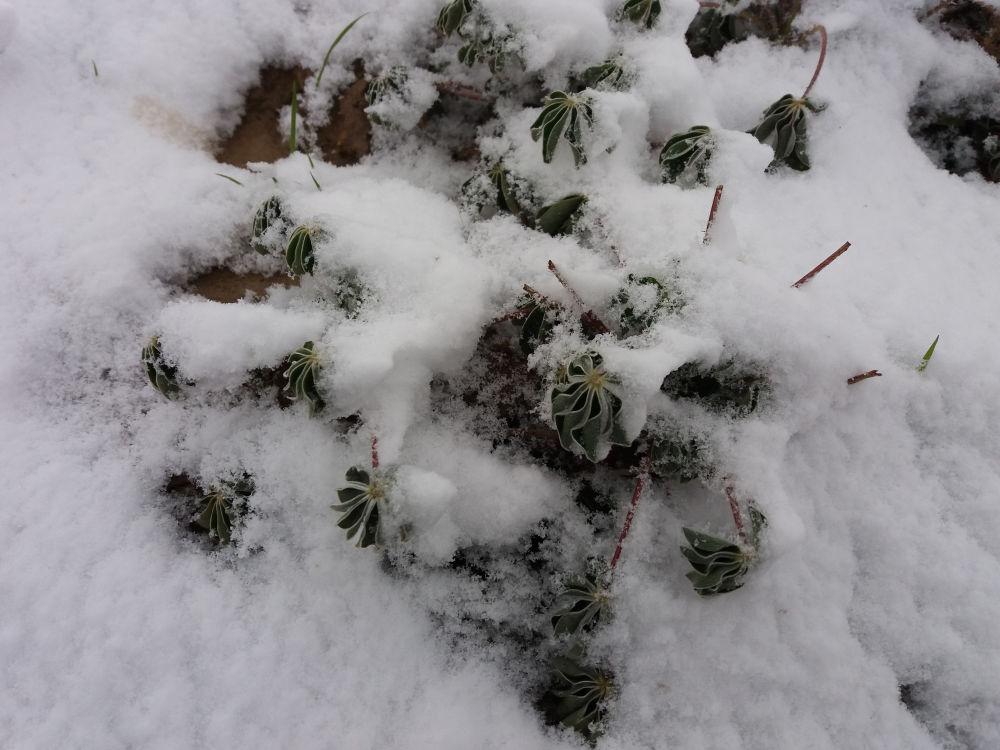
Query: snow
{"points": [[881, 565]]}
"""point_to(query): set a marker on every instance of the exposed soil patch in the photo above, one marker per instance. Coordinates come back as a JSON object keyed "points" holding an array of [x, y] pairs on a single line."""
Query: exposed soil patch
{"points": [[225, 285], [971, 20], [712, 29], [347, 137], [961, 137]]}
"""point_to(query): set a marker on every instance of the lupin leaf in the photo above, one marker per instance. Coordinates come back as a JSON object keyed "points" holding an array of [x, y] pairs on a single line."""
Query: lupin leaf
{"points": [[581, 695], [560, 217], [720, 388], [585, 410], [303, 367], [359, 506], [299, 251], [220, 506], [453, 15], [389, 83], [609, 75], [642, 12], [506, 199], [581, 605], [784, 127], [561, 117], [678, 458], [162, 376], [719, 565], [640, 302], [685, 157], [267, 216], [489, 48], [714, 28]]}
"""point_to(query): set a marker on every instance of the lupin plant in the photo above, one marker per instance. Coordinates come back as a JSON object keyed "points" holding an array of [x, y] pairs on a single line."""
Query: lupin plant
{"points": [[360, 501], [610, 75], [303, 367], [715, 26], [722, 388], [642, 12], [563, 115], [640, 302], [560, 217], [267, 216], [581, 695], [162, 376], [486, 47], [685, 157], [585, 408], [299, 253], [222, 504], [453, 15], [582, 604], [720, 565], [784, 123]]}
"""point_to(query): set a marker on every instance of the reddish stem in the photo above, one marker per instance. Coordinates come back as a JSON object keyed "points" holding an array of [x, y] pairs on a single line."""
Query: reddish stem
{"points": [[734, 508], [822, 56], [863, 376], [640, 484], [711, 214], [374, 453], [461, 90], [836, 254], [590, 319]]}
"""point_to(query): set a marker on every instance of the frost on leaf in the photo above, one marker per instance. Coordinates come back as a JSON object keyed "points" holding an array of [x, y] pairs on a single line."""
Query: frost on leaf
{"points": [[560, 217], [303, 367], [685, 157], [580, 695], [359, 506], [783, 127], [581, 605], [585, 409], [162, 376], [563, 116], [642, 12], [299, 252]]}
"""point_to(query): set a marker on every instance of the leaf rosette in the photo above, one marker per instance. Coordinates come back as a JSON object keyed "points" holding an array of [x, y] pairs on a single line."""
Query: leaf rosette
{"points": [[563, 116], [585, 408]]}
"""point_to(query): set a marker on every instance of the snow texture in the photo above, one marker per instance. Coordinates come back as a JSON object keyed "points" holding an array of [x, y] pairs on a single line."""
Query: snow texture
{"points": [[882, 564]]}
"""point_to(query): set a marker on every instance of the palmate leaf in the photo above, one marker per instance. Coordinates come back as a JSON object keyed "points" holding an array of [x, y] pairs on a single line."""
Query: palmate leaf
{"points": [[714, 28], [389, 83], [581, 605], [299, 252], [359, 506], [561, 118], [506, 197], [490, 48], [678, 458], [453, 15], [610, 75], [581, 695], [642, 12], [162, 376], [537, 324], [222, 504], [722, 388], [267, 216], [685, 157], [303, 366], [784, 127], [585, 410], [560, 217], [640, 303], [719, 565]]}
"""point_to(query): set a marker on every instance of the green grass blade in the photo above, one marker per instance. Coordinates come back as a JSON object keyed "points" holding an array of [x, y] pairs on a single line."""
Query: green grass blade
{"points": [[315, 182], [231, 179], [293, 139], [335, 43], [927, 355]]}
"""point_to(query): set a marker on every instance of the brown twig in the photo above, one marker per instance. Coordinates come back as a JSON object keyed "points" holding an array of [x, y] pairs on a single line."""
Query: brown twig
{"points": [[822, 56], [863, 376], [711, 214], [463, 91], [590, 319], [734, 508], [832, 257], [539, 296], [374, 453], [640, 484]]}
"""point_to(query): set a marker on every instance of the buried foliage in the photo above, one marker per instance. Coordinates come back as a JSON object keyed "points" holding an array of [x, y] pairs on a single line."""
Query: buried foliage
{"points": [[783, 127], [267, 216], [563, 116], [720, 565], [642, 12], [162, 375], [579, 696], [560, 217], [610, 75], [640, 302], [685, 157], [581, 605], [585, 409], [359, 505], [303, 367], [222, 505], [299, 251], [722, 388], [453, 15]]}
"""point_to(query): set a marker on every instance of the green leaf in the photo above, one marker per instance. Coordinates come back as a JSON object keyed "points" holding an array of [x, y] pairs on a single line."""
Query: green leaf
{"points": [[162, 376], [721, 388], [303, 367], [326, 58], [581, 605], [537, 325], [299, 251], [719, 565], [678, 459], [561, 117], [267, 216], [642, 12], [581, 694], [609, 75], [221, 504], [783, 126], [453, 15], [486, 47], [640, 303], [359, 505], [685, 157], [927, 355], [227, 177], [506, 199], [586, 411], [714, 28], [560, 217]]}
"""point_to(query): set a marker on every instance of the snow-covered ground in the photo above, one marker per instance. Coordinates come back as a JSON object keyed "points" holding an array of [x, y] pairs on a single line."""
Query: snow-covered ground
{"points": [[882, 564]]}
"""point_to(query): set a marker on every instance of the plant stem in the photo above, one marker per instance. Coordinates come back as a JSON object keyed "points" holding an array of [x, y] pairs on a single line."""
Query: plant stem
{"points": [[711, 214], [822, 56], [863, 376], [374, 453], [705, 4], [539, 296], [589, 318], [734, 508], [463, 91], [640, 484], [832, 257]]}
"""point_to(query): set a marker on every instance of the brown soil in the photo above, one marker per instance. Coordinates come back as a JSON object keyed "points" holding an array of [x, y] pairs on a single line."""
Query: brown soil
{"points": [[970, 19], [225, 285], [344, 140], [347, 137], [773, 21]]}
